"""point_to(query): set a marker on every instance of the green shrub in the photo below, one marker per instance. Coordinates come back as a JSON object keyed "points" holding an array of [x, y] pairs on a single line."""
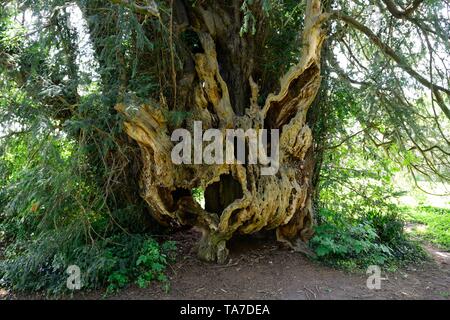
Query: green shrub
{"points": [[358, 221], [355, 243], [152, 262], [56, 210], [338, 239], [114, 262]]}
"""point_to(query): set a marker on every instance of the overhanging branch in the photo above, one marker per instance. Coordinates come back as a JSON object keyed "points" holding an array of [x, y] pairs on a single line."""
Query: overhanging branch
{"points": [[401, 14], [150, 9], [388, 51]]}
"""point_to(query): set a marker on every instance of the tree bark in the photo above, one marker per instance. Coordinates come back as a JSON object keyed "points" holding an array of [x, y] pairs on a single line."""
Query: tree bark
{"points": [[219, 91]]}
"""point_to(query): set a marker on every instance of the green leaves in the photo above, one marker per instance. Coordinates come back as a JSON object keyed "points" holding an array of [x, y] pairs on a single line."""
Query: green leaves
{"points": [[45, 231], [152, 262], [139, 259], [249, 24], [266, 6], [430, 223], [356, 242], [116, 280]]}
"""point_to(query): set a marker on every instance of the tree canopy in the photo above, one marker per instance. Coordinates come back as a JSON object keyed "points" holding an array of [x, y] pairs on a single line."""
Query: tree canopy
{"points": [[70, 173]]}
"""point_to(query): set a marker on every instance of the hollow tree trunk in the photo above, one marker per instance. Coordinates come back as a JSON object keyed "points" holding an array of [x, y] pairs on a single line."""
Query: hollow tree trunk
{"points": [[218, 89]]}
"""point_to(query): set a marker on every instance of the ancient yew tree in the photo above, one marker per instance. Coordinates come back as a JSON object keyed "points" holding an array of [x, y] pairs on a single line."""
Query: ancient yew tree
{"points": [[240, 64], [218, 88]]}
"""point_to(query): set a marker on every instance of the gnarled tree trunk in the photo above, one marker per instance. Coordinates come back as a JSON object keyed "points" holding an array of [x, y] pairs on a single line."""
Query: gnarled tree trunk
{"points": [[217, 87]]}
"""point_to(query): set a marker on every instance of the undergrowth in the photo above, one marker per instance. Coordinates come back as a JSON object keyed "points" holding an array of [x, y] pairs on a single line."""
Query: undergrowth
{"points": [[65, 203], [356, 243], [435, 222]]}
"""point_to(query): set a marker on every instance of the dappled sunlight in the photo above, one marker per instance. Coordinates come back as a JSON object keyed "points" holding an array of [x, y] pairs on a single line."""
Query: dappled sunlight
{"points": [[124, 126], [411, 227], [434, 194]]}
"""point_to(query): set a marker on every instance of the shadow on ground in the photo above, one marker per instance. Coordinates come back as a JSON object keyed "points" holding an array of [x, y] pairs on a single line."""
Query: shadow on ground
{"points": [[261, 269]]}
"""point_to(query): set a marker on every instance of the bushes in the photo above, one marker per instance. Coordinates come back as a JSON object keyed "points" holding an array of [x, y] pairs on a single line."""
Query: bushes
{"points": [[358, 222], [351, 243], [65, 203], [152, 262], [142, 264], [376, 238], [114, 262]]}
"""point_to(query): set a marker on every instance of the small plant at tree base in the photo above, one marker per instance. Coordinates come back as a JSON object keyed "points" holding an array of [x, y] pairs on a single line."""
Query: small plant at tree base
{"points": [[152, 262], [147, 266]]}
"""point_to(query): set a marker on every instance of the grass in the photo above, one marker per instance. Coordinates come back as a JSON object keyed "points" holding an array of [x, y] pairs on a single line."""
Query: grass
{"points": [[434, 224]]}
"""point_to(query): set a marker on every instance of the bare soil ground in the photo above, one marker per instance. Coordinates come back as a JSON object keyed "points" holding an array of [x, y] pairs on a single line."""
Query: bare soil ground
{"points": [[261, 269]]}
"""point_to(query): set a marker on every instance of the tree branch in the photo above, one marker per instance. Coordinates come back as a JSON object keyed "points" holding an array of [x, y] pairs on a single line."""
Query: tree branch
{"points": [[392, 7], [406, 15], [388, 51], [150, 9]]}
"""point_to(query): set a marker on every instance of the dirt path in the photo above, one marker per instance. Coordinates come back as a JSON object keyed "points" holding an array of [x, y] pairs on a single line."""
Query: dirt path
{"points": [[260, 269]]}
